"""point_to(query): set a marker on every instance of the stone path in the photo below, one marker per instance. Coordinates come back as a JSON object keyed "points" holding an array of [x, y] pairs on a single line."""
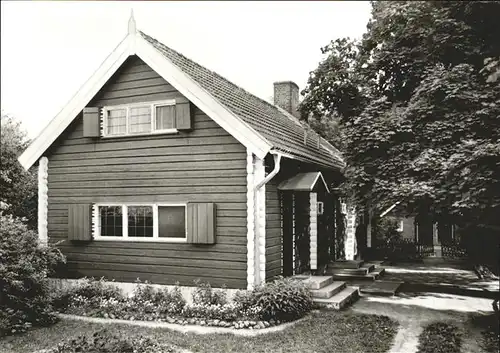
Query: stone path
{"points": [[415, 311], [451, 275]]}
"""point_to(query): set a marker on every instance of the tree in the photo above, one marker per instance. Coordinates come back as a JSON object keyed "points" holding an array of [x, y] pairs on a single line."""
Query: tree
{"points": [[18, 188], [418, 103]]}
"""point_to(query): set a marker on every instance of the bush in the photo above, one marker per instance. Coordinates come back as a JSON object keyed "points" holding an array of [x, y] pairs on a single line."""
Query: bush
{"points": [[104, 342], [162, 301], [87, 293], [284, 299], [96, 298], [226, 312], [204, 294], [24, 268], [440, 337]]}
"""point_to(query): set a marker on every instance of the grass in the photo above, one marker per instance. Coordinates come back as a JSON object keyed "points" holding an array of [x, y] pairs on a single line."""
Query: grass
{"points": [[440, 337], [325, 331], [489, 326]]}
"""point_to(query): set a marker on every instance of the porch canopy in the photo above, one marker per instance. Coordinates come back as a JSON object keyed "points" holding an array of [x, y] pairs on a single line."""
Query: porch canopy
{"points": [[303, 182]]}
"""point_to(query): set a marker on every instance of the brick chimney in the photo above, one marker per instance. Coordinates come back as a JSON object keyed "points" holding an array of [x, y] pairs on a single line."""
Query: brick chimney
{"points": [[286, 96]]}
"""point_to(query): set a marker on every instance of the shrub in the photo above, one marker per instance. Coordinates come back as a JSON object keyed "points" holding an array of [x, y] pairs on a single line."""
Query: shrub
{"points": [[226, 312], [24, 268], [244, 300], [205, 294], [104, 342], [89, 291], [440, 337], [163, 301], [284, 299]]}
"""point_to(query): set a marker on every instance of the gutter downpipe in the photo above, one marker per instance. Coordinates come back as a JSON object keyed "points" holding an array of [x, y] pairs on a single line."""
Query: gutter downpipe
{"points": [[277, 165]]}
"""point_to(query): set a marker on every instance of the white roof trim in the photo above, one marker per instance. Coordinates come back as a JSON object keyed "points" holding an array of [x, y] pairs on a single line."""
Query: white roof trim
{"points": [[135, 44], [89, 89], [389, 209], [190, 89], [324, 182]]}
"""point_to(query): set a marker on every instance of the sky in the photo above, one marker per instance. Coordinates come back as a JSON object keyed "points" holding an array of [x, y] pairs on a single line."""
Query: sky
{"points": [[49, 49]]}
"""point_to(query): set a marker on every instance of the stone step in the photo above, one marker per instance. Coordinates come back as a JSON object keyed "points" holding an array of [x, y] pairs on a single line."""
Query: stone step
{"points": [[363, 270], [384, 288], [343, 275], [340, 300], [329, 290], [346, 264], [315, 282]]}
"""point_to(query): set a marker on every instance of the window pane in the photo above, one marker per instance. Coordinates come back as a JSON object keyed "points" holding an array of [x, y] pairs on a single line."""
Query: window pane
{"points": [[117, 122], [140, 221], [111, 221], [171, 222], [165, 117], [140, 120]]}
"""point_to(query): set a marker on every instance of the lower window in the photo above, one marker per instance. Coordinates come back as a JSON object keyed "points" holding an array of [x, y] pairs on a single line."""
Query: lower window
{"points": [[155, 222]]}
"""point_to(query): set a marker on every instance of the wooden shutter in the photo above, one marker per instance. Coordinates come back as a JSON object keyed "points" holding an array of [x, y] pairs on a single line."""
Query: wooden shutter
{"points": [[183, 116], [80, 222], [91, 122], [201, 223]]}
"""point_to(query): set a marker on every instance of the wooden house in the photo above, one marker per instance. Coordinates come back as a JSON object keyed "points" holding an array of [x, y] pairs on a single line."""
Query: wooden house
{"points": [[162, 170]]}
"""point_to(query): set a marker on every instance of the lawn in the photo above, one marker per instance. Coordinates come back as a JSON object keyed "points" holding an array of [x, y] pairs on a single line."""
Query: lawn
{"points": [[325, 331]]}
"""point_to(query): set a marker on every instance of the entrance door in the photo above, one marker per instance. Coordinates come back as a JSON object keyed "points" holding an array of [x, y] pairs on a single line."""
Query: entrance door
{"points": [[295, 210], [326, 229], [302, 236]]}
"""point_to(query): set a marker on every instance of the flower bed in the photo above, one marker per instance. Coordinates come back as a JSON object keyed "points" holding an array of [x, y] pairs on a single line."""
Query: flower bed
{"points": [[104, 341], [268, 305], [440, 337]]}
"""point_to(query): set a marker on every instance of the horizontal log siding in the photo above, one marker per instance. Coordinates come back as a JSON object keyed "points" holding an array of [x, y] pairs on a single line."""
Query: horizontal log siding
{"points": [[204, 165], [273, 231]]}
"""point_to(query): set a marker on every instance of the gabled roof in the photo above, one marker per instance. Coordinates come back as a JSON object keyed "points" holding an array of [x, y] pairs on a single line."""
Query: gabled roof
{"points": [[303, 182], [280, 128], [260, 126]]}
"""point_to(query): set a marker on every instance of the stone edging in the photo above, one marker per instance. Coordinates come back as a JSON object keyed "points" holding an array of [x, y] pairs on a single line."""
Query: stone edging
{"points": [[202, 330]]}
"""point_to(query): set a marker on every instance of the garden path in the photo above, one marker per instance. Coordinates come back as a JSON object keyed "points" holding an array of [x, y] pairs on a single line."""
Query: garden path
{"points": [[414, 311]]}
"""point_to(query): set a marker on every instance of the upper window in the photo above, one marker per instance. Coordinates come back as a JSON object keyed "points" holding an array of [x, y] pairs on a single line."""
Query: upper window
{"points": [[144, 118], [155, 222]]}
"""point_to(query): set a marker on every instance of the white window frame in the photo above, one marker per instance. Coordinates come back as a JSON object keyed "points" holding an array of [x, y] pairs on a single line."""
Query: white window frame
{"points": [[97, 222], [400, 225], [127, 107], [321, 207]]}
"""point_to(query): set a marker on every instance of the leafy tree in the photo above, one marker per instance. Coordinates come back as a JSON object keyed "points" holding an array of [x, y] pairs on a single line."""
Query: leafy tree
{"points": [[18, 188], [417, 99]]}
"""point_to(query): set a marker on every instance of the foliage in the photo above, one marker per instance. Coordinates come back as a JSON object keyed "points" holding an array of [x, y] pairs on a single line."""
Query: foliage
{"points": [[418, 103], [284, 299], [226, 312], [96, 298], [204, 294], [88, 292], [385, 230], [323, 331], [105, 342], [162, 300], [440, 337], [24, 267], [18, 188]]}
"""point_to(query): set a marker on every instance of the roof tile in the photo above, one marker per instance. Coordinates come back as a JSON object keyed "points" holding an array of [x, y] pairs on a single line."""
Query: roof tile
{"points": [[285, 132]]}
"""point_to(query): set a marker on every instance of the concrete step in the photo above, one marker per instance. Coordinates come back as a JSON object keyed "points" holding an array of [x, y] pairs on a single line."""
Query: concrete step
{"points": [[383, 288], [363, 270], [329, 290], [346, 264], [315, 282], [341, 274], [340, 300]]}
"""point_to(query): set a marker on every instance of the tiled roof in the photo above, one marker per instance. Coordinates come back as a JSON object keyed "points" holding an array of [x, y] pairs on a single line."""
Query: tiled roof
{"points": [[280, 129]]}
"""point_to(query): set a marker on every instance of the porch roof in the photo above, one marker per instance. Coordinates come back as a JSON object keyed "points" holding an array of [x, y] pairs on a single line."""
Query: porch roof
{"points": [[303, 182]]}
